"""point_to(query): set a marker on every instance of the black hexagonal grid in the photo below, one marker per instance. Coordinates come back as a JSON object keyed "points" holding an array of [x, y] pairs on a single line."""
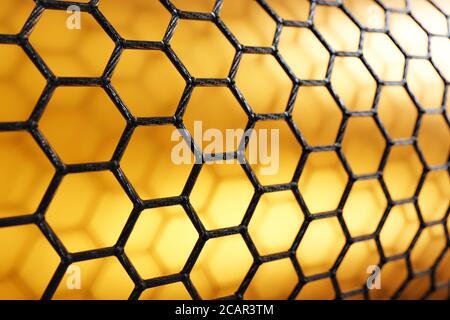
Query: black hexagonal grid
{"points": [[31, 125]]}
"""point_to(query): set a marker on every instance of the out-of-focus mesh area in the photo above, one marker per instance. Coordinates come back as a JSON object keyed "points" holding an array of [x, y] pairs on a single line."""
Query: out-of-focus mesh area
{"points": [[358, 89]]}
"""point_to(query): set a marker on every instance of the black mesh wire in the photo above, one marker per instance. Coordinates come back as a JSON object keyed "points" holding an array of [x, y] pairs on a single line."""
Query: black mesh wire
{"points": [[31, 125]]}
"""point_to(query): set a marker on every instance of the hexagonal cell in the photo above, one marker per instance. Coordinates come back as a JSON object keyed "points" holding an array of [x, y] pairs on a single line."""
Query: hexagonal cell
{"points": [[273, 152], [321, 167], [434, 139], [148, 83], [194, 5], [317, 290], [320, 246], [439, 294], [428, 247], [317, 115], [429, 17], [28, 263], [150, 165], [399, 229], [392, 276], [291, 9], [208, 56], [25, 173], [72, 55], [355, 297], [394, 4], [447, 107], [425, 83], [221, 195], [160, 231], [408, 34], [397, 112], [82, 124], [440, 50], [344, 38], [352, 272], [304, 53], [215, 119], [276, 222], [443, 269], [364, 207], [221, 266], [273, 281], [368, 12], [249, 23], [100, 202], [13, 14], [448, 226], [434, 195], [100, 279], [402, 172], [263, 83], [21, 84], [173, 291], [353, 83], [363, 157], [416, 288], [383, 56], [137, 19], [444, 5]]}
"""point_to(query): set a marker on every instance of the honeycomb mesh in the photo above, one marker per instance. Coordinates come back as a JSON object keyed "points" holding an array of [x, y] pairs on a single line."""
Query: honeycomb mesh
{"points": [[31, 125]]}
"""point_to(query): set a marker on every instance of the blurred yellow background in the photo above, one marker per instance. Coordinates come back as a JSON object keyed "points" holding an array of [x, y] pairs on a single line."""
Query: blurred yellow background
{"points": [[83, 125]]}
